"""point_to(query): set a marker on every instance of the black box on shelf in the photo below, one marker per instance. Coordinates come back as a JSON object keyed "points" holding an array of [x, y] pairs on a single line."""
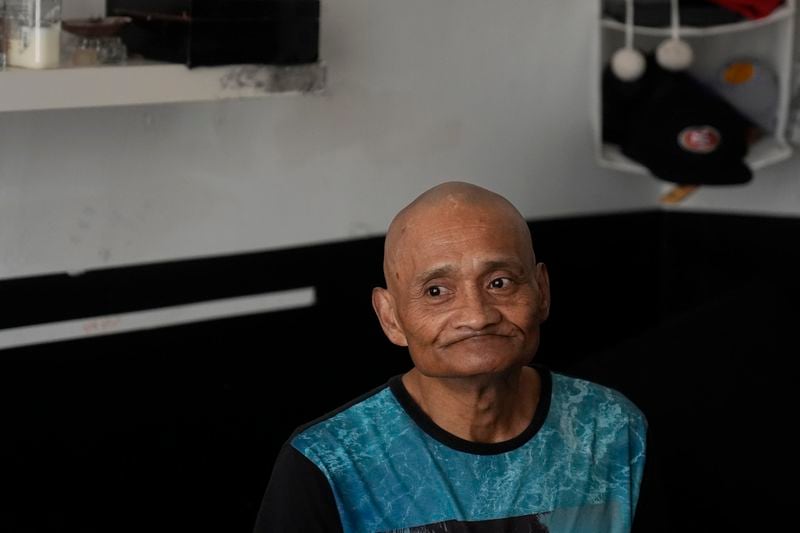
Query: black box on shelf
{"points": [[221, 32]]}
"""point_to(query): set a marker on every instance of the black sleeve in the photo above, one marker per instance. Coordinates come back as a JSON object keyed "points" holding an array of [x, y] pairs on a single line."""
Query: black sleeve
{"points": [[298, 498], [653, 511]]}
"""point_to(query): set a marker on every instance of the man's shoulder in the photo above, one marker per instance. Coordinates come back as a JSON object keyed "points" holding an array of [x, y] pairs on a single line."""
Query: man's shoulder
{"points": [[579, 393], [347, 424]]}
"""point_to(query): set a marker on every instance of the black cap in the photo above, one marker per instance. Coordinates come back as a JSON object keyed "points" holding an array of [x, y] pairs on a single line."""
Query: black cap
{"points": [[680, 130]]}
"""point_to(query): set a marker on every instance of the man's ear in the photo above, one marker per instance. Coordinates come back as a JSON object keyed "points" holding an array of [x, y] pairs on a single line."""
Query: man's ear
{"points": [[543, 282], [384, 306]]}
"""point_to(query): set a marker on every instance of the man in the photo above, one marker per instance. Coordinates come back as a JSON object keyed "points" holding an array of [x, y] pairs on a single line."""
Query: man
{"points": [[473, 438]]}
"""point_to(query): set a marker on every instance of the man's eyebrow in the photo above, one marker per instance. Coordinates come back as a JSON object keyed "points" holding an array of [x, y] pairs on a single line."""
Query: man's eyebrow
{"points": [[448, 270], [436, 272], [511, 264]]}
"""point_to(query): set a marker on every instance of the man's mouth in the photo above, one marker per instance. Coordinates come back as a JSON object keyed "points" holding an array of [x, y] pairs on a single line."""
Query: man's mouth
{"points": [[476, 337]]}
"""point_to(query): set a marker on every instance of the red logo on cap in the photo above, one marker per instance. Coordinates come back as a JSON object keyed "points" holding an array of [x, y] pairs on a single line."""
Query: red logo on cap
{"points": [[699, 139]]}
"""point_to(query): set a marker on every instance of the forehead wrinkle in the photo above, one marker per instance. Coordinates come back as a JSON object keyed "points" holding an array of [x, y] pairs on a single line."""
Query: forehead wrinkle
{"points": [[448, 204], [483, 266]]}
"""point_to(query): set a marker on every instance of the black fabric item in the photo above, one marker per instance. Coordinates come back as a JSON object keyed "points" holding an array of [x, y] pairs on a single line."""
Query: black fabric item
{"points": [[656, 13], [680, 130], [620, 100], [653, 509], [298, 498]]}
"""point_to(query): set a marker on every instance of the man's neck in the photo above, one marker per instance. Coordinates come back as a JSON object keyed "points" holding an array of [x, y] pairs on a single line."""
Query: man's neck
{"points": [[484, 409]]}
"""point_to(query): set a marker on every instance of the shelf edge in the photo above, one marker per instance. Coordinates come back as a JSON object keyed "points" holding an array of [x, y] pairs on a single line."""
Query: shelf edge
{"points": [[152, 83]]}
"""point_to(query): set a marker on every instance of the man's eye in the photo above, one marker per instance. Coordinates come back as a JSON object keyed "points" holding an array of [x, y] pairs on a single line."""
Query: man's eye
{"points": [[499, 283], [434, 291]]}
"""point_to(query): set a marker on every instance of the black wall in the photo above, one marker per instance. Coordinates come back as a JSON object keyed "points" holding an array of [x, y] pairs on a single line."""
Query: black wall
{"points": [[176, 429]]}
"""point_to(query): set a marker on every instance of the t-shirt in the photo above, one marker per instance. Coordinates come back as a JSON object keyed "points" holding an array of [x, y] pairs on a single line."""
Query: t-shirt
{"points": [[380, 464]]}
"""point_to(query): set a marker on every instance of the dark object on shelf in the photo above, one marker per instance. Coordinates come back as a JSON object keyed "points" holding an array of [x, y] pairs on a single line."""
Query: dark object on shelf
{"points": [[221, 32], [656, 13], [681, 131], [95, 27]]}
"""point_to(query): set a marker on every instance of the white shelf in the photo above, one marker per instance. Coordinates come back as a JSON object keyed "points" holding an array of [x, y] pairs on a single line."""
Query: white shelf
{"points": [[769, 39], [150, 83]]}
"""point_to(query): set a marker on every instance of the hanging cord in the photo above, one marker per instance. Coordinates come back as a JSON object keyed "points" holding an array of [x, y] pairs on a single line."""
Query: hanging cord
{"points": [[627, 63], [674, 54], [629, 24], [676, 19]]}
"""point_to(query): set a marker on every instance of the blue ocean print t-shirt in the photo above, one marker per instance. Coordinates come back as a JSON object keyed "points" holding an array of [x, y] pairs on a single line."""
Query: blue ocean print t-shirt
{"points": [[576, 468]]}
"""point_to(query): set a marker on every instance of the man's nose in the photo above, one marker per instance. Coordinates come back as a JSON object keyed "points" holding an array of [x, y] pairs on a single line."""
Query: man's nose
{"points": [[477, 311]]}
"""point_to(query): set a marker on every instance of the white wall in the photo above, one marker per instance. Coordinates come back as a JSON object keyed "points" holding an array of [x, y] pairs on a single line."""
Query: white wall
{"points": [[419, 91], [82, 8]]}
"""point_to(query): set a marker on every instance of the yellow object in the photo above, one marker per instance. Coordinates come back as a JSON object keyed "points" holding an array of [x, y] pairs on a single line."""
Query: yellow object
{"points": [[678, 194], [738, 73]]}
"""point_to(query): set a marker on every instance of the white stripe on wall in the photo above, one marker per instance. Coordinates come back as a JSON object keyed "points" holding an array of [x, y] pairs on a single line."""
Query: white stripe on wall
{"points": [[157, 318]]}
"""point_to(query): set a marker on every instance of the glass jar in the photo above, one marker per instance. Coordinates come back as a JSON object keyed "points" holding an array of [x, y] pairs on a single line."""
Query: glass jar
{"points": [[104, 50], [95, 41], [85, 54], [112, 51], [34, 33]]}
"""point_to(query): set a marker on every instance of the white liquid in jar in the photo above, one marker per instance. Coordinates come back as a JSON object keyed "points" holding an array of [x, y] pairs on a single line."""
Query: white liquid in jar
{"points": [[36, 47]]}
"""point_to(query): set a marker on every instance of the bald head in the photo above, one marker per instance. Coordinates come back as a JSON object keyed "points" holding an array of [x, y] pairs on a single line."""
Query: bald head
{"points": [[446, 204]]}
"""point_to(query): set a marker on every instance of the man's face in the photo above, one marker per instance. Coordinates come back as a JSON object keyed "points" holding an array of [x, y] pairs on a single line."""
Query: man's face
{"points": [[466, 296]]}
